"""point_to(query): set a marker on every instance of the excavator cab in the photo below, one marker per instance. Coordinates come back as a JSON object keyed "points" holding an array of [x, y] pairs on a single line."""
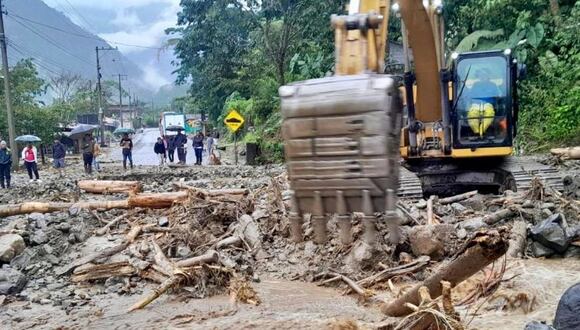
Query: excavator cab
{"points": [[483, 106]]}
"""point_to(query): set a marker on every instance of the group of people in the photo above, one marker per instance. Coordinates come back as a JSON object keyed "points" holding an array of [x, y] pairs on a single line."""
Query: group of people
{"points": [[29, 157], [167, 145]]}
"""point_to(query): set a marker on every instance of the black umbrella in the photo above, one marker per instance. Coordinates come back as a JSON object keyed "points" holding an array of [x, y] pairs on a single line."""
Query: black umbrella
{"points": [[82, 129]]}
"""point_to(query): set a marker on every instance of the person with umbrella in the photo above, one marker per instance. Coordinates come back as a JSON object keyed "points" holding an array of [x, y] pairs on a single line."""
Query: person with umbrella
{"points": [[58, 154], [180, 142], [88, 149], [127, 145], [30, 157], [5, 165]]}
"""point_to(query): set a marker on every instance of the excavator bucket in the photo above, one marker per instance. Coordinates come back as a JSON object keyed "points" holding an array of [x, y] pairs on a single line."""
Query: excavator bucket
{"points": [[341, 138]]}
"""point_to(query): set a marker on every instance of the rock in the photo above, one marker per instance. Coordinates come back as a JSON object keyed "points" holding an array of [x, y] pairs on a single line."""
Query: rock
{"points": [[52, 259], [552, 234], [72, 238], [539, 250], [472, 224], [528, 204], [458, 208], [549, 206], [546, 213], [36, 217], [421, 204], [535, 325], [38, 238], [183, 251], [64, 227], [163, 222], [11, 281], [309, 249], [259, 214], [461, 233], [572, 252], [430, 240], [476, 203], [11, 245], [568, 310]]}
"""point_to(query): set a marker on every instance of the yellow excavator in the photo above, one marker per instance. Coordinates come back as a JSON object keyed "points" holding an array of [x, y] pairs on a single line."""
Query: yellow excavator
{"points": [[452, 119]]}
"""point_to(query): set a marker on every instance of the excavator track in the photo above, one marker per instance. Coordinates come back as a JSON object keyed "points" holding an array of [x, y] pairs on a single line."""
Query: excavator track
{"points": [[523, 169]]}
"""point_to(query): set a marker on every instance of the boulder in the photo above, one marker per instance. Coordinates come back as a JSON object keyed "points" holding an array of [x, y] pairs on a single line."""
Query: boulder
{"points": [[430, 240], [38, 238], [568, 310], [552, 233], [539, 250], [11, 245], [11, 281]]}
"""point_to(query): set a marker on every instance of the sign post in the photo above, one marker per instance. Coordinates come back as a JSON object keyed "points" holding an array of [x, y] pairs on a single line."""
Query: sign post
{"points": [[234, 121]]}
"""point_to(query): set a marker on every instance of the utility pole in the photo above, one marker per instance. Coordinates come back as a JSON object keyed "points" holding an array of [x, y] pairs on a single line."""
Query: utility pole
{"points": [[121, 76], [100, 92], [10, 115]]}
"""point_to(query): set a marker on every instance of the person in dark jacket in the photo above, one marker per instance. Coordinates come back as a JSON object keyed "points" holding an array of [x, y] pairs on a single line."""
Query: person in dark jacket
{"points": [[58, 154], [170, 148], [5, 165], [88, 149], [180, 142], [198, 147], [127, 145], [159, 149]]}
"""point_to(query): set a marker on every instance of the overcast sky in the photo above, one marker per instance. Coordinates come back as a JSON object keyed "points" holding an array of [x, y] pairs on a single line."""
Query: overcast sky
{"points": [[140, 22]]}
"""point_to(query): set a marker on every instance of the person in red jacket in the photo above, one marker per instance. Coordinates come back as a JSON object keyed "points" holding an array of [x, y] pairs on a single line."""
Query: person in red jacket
{"points": [[29, 155]]}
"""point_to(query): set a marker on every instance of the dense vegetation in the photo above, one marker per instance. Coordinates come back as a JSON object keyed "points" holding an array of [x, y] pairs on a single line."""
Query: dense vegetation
{"points": [[235, 54]]}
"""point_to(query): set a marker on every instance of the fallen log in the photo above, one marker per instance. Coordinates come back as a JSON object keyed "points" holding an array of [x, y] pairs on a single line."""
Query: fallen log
{"points": [[98, 272], [500, 215], [229, 241], [166, 285], [110, 187], [566, 153], [155, 201], [477, 253], [209, 257], [518, 237], [457, 198]]}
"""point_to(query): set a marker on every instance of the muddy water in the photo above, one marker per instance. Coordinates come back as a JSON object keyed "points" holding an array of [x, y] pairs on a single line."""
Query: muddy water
{"points": [[290, 305]]}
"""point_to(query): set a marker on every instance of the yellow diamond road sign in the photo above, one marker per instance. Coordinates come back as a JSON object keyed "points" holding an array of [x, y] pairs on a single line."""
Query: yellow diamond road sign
{"points": [[234, 121]]}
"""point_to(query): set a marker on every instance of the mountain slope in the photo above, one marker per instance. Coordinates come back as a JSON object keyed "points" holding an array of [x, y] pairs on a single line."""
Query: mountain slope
{"points": [[35, 30]]}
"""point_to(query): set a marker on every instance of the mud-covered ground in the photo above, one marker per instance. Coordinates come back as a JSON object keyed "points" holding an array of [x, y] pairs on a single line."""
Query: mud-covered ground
{"points": [[34, 292]]}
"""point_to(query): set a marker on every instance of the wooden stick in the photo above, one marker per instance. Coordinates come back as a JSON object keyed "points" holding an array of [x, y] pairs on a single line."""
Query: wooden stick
{"points": [[103, 230], [161, 260], [110, 187], [350, 283], [430, 220], [479, 252], [389, 273], [457, 198], [97, 272], [209, 257], [169, 283]]}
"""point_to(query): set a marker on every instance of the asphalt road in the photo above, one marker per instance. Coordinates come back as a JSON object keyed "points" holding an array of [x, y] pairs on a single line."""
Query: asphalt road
{"points": [[143, 154]]}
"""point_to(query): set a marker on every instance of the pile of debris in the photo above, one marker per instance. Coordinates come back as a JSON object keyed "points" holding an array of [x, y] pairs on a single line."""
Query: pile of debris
{"points": [[210, 237]]}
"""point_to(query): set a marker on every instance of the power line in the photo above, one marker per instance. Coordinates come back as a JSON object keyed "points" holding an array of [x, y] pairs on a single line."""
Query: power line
{"points": [[86, 36], [81, 16], [34, 54], [52, 42], [36, 62]]}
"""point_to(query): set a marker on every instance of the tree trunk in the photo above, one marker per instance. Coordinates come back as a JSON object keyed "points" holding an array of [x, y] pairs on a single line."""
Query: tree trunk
{"points": [[479, 252], [566, 153], [155, 201], [110, 187]]}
